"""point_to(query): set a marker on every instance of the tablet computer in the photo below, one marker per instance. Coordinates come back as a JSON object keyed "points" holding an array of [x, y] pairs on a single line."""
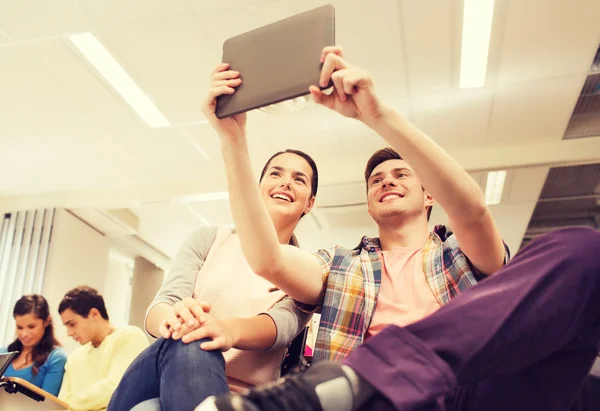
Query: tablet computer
{"points": [[277, 62], [5, 360]]}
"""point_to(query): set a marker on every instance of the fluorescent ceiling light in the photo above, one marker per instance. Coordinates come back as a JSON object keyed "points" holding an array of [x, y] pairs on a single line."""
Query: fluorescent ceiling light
{"points": [[118, 78], [494, 187], [205, 197], [477, 26]]}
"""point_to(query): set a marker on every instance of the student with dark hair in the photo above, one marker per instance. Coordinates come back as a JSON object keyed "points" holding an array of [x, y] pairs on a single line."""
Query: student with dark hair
{"points": [[94, 370], [41, 359], [242, 341], [422, 320]]}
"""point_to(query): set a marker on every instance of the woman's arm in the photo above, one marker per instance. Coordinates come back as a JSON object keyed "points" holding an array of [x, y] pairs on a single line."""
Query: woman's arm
{"points": [[179, 283], [295, 272], [271, 330], [56, 369]]}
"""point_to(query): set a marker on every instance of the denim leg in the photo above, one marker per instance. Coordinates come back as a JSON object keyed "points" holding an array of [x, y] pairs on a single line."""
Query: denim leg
{"points": [[181, 375], [189, 375], [140, 382]]}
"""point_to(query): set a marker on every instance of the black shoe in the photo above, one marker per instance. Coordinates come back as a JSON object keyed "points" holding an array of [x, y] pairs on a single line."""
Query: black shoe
{"points": [[293, 393]]}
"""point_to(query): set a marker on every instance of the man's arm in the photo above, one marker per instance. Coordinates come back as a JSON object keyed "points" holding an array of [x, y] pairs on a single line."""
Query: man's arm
{"points": [[452, 187], [470, 218], [98, 395], [65, 388]]}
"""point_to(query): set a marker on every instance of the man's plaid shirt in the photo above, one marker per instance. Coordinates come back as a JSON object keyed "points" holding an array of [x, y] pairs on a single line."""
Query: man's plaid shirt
{"points": [[351, 280]]}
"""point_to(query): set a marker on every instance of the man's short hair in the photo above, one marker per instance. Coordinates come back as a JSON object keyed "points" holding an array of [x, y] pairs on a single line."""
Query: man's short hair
{"points": [[379, 157], [81, 300]]}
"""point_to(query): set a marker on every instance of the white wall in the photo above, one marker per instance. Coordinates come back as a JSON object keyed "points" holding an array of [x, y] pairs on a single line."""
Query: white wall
{"points": [[117, 286], [147, 279], [78, 255]]}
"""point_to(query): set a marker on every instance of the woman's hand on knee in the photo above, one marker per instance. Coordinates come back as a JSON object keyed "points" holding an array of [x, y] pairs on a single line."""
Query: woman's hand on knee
{"points": [[222, 334], [187, 315]]}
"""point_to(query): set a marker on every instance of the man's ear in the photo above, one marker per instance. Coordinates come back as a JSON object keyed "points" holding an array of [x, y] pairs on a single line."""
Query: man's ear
{"points": [[94, 313], [429, 200]]}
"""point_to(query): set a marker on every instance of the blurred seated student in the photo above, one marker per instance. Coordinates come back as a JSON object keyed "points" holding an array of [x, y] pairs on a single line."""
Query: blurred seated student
{"points": [[94, 370], [41, 359]]}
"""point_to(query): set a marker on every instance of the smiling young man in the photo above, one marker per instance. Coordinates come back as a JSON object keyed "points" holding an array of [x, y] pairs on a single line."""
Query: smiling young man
{"points": [[94, 370], [522, 339]]}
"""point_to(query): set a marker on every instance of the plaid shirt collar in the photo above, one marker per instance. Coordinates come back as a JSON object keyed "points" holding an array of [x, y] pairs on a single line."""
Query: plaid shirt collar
{"points": [[353, 282], [372, 244]]}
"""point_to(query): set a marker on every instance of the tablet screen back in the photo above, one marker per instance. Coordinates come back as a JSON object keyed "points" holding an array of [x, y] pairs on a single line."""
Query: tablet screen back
{"points": [[5, 360], [277, 62]]}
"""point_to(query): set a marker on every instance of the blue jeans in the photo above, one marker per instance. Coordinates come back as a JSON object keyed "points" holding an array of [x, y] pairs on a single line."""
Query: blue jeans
{"points": [[180, 375]]}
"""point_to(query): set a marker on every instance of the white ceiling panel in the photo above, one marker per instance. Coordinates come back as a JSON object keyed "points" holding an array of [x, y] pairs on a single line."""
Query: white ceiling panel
{"points": [[25, 20], [31, 97], [3, 39], [526, 185], [370, 35], [114, 12], [224, 6], [228, 20], [169, 59], [454, 118], [74, 165], [429, 32], [166, 225], [544, 39], [534, 110], [89, 89], [169, 154]]}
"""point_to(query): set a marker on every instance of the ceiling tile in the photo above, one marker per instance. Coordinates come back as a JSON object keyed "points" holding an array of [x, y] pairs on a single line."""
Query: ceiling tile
{"points": [[31, 97], [535, 110], [225, 21], [166, 225], [456, 118], [80, 81], [169, 154], [77, 165], [4, 40], [371, 37], [169, 59], [429, 32], [114, 12], [544, 39], [224, 6], [31, 19], [526, 185]]}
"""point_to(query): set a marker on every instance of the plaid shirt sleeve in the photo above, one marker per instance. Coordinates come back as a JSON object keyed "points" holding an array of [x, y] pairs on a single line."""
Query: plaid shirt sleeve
{"points": [[325, 259], [478, 274]]}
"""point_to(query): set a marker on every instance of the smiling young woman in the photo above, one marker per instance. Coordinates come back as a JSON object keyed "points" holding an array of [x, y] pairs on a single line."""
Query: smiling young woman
{"points": [[41, 359]]}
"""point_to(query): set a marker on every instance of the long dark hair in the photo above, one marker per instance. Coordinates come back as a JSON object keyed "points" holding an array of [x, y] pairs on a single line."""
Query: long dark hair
{"points": [[37, 305], [314, 181]]}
